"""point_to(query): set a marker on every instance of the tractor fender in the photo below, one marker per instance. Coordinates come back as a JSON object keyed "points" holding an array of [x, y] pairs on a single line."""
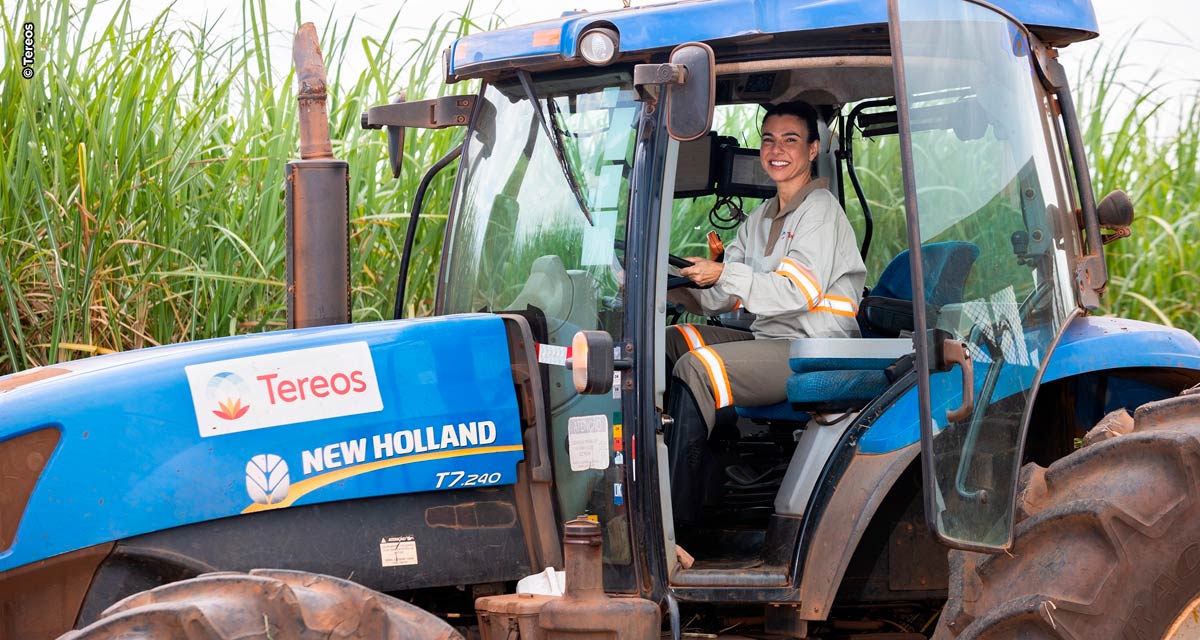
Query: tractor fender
{"points": [[891, 442], [1089, 344], [866, 481]]}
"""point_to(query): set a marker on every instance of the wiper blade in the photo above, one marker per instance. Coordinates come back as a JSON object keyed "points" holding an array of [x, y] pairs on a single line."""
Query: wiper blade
{"points": [[556, 142]]}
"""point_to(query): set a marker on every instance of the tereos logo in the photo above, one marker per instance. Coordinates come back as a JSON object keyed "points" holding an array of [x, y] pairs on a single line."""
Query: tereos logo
{"points": [[226, 390], [285, 387], [267, 479]]}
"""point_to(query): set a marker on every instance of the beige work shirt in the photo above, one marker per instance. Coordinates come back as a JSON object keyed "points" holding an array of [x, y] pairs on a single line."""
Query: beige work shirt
{"points": [[796, 268]]}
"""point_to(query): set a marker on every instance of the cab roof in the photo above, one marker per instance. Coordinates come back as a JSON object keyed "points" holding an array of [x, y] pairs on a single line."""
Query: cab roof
{"points": [[646, 29]]}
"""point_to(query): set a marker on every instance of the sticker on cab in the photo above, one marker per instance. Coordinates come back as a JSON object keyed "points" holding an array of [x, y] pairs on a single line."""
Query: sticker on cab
{"points": [[587, 442], [289, 387]]}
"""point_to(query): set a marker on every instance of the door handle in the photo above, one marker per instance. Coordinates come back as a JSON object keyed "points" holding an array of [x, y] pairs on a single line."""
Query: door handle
{"points": [[957, 352]]}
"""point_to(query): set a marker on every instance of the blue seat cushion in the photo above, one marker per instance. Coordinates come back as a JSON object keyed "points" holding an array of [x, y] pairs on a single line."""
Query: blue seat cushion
{"points": [[841, 390], [778, 412], [810, 365]]}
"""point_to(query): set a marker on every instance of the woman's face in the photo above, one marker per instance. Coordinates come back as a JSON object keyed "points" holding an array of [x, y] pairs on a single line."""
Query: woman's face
{"points": [[786, 154]]}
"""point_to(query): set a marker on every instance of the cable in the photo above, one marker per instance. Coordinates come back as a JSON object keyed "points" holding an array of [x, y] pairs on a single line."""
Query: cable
{"points": [[729, 220]]}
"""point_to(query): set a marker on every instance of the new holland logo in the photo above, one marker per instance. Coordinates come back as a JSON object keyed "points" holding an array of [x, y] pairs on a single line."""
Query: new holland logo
{"points": [[227, 390], [267, 479]]}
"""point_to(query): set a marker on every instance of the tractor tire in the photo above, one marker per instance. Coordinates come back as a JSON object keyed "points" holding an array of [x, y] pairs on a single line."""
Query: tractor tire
{"points": [[266, 604], [1107, 540]]}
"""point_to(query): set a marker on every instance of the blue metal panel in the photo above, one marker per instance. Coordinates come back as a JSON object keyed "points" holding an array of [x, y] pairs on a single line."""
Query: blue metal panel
{"points": [[663, 26], [1089, 344], [422, 405]]}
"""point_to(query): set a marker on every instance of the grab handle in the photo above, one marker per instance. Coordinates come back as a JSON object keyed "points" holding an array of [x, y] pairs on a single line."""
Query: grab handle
{"points": [[957, 352]]}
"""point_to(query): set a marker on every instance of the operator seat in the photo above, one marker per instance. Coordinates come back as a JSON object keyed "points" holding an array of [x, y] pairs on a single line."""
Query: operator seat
{"points": [[849, 380]]}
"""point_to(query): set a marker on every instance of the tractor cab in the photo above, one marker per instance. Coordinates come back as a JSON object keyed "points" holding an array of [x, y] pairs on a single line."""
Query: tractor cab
{"points": [[600, 158]]}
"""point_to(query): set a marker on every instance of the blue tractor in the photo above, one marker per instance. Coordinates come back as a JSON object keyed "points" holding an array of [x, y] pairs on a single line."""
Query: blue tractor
{"points": [[989, 460]]}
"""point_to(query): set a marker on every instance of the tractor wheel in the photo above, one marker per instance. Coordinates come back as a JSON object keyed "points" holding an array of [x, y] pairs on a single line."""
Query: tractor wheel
{"points": [[264, 604], [1107, 541]]}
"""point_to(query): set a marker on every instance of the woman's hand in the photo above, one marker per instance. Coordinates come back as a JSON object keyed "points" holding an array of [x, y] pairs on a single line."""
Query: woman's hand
{"points": [[703, 272]]}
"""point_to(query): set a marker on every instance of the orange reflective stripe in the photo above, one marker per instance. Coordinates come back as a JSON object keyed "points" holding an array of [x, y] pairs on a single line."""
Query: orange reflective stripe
{"points": [[803, 278], [725, 381], [691, 335], [737, 304], [839, 305], [796, 281], [722, 392], [803, 270]]}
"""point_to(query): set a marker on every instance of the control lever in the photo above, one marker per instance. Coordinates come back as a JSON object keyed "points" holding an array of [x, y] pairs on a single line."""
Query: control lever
{"points": [[956, 352]]}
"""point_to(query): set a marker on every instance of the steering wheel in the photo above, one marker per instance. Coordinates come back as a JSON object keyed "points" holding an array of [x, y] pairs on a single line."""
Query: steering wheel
{"points": [[673, 282], [680, 282]]}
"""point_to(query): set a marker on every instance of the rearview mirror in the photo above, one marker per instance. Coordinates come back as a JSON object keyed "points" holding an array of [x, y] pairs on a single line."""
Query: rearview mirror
{"points": [[690, 104], [1115, 210], [1115, 213]]}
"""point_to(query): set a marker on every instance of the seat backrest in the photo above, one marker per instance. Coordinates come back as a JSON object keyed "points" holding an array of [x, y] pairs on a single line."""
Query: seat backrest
{"points": [[946, 267]]}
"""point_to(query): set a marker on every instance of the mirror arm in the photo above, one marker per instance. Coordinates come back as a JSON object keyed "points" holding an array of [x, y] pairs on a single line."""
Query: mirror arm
{"points": [[648, 79], [436, 113]]}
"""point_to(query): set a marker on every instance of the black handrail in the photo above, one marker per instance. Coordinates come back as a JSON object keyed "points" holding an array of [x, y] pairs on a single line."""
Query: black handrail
{"points": [[848, 151], [411, 233]]}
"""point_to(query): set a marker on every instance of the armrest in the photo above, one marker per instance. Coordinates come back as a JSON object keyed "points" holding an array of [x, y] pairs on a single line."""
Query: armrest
{"points": [[846, 354], [886, 316]]}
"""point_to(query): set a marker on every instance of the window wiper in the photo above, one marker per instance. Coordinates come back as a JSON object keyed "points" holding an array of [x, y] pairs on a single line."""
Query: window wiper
{"points": [[556, 142]]}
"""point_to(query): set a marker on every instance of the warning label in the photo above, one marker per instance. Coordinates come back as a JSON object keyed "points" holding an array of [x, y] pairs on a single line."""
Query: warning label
{"points": [[587, 442], [398, 551]]}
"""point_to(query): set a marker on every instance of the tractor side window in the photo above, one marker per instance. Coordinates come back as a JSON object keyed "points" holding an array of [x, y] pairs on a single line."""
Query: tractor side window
{"points": [[988, 182], [876, 158]]}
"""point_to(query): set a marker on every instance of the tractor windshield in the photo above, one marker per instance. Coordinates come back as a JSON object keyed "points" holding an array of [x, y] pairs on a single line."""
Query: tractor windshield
{"points": [[538, 228], [522, 235]]}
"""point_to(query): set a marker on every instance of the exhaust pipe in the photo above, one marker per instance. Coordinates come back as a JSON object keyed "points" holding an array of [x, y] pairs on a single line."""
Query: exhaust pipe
{"points": [[318, 214]]}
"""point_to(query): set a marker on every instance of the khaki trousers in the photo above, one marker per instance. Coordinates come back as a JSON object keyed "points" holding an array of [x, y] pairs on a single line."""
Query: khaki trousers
{"points": [[724, 367]]}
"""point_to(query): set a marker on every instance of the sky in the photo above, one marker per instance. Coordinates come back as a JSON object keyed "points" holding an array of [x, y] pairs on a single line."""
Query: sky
{"points": [[1163, 35]]}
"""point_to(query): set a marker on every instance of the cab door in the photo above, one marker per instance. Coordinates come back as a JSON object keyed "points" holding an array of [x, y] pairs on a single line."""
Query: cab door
{"points": [[984, 178]]}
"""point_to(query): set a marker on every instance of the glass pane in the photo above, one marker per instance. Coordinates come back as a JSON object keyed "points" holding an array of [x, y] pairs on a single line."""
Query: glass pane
{"points": [[693, 217], [521, 241], [988, 187]]}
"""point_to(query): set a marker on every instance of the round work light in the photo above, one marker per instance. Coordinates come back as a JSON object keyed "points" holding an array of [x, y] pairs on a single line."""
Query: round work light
{"points": [[598, 46]]}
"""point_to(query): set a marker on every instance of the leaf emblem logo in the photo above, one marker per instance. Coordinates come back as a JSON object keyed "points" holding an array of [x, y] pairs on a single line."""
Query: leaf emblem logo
{"points": [[226, 390], [267, 479]]}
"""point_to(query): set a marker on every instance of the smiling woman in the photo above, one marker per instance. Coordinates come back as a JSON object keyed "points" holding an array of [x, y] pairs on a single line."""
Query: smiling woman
{"points": [[789, 147]]}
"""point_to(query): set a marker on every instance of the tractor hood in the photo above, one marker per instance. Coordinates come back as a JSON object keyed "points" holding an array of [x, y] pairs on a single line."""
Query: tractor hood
{"points": [[120, 445], [661, 27]]}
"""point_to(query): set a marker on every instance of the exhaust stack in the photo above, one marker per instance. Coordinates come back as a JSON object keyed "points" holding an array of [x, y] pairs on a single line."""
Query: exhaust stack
{"points": [[318, 214]]}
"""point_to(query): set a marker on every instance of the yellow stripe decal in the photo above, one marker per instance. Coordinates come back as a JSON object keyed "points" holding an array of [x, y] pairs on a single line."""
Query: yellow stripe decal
{"points": [[308, 485]]}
